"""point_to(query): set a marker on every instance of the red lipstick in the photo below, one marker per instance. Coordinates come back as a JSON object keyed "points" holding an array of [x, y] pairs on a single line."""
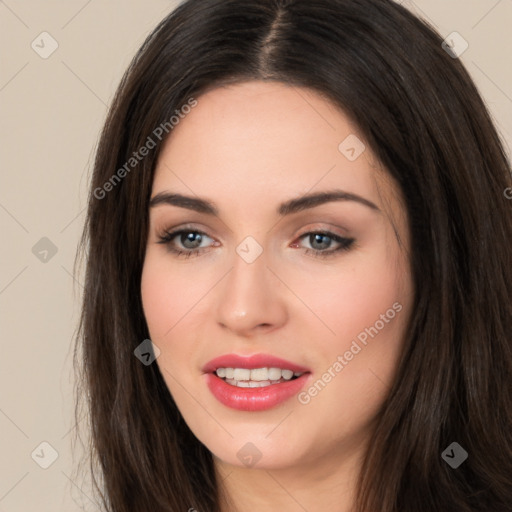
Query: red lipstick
{"points": [[254, 398]]}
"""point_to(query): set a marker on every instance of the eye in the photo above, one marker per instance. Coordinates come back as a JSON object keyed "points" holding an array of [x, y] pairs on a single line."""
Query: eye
{"points": [[321, 240], [190, 240]]}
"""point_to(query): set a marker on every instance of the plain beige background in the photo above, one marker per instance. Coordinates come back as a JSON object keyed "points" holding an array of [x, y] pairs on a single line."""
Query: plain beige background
{"points": [[52, 110]]}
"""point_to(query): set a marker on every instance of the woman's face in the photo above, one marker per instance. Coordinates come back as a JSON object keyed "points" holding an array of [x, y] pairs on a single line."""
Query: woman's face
{"points": [[268, 278]]}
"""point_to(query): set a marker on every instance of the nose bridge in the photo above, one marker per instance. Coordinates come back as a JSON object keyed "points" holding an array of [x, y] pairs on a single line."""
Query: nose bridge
{"points": [[250, 297]]}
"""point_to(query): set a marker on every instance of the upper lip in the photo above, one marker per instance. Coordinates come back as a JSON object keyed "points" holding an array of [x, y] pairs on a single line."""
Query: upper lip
{"points": [[252, 361]]}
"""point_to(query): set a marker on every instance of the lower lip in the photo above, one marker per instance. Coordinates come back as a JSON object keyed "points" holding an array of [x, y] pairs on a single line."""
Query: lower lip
{"points": [[254, 399]]}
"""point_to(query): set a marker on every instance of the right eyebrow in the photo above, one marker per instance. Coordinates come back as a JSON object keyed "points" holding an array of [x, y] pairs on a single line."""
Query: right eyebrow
{"points": [[191, 203]]}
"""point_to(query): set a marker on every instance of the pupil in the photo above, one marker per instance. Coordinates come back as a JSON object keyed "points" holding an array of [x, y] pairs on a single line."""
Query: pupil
{"points": [[190, 239], [318, 238]]}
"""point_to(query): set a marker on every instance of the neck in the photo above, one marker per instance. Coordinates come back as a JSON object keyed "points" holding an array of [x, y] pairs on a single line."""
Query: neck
{"points": [[326, 483]]}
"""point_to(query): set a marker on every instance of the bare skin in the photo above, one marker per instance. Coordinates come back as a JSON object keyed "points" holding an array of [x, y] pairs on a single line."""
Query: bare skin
{"points": [[248, 148]]}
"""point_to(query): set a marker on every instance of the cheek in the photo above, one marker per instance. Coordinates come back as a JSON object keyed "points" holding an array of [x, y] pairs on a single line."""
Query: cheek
{"points": [[367, 308], [167, 294], [156, 299], [176, 307], [347, 300]]}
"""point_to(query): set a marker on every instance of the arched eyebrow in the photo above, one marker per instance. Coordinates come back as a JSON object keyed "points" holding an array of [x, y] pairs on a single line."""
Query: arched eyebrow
{"points": [[316, 199], [289, 207]]}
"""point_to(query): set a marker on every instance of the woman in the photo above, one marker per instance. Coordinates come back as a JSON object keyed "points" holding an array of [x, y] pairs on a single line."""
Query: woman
{"points": [[299, 269]]}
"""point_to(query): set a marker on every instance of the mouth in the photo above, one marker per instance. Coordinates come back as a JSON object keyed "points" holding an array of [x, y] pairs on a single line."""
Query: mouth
{"points": [[256, 377], [254, 383]]}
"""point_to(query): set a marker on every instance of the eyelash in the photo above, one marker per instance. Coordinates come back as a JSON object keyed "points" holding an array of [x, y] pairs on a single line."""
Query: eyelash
{"points": [[167, 237]]}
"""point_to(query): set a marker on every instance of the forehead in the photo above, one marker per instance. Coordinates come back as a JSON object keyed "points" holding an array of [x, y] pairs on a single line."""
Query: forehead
{"points": [[263, 141]]}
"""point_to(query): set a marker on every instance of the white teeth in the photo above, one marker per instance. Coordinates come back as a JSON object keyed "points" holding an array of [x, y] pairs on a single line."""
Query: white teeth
{"points": [[251, 383], [287, 374], [242, 374], [257, 377], [259, 374], [274, 373]]}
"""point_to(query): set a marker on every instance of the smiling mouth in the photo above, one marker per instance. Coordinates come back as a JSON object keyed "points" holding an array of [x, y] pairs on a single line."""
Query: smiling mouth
{"points": [[256, 377]]}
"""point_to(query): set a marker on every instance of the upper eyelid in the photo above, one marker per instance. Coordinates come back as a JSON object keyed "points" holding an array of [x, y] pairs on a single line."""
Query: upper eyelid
{"points": [[173, 233], [339, 231]]}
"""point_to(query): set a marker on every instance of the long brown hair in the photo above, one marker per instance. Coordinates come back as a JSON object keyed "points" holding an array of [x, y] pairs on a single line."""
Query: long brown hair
{"points": [[423, 117]]}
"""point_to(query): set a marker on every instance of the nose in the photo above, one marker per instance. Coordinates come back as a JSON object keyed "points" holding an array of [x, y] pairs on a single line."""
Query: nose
{"points": [[251, 300]]}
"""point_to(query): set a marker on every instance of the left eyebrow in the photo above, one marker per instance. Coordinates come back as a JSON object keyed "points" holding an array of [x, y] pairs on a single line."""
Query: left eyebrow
{"points": [[287, 208], [311, 200]]}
